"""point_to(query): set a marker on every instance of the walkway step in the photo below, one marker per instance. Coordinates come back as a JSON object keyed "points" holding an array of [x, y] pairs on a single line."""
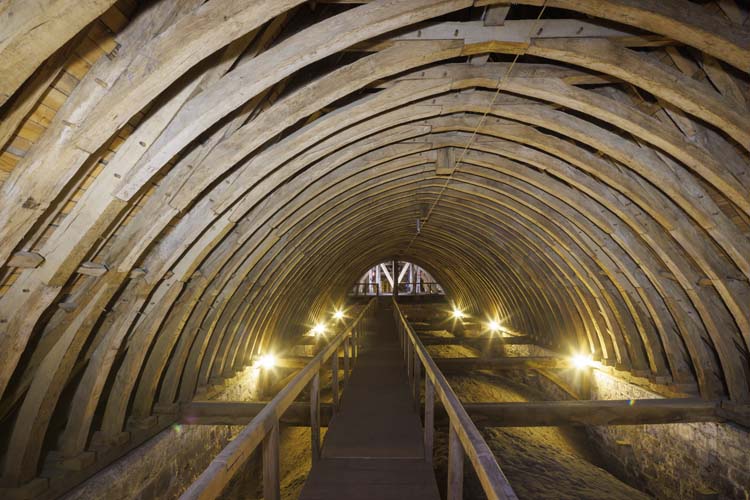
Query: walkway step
{"points": [[364, 479]]}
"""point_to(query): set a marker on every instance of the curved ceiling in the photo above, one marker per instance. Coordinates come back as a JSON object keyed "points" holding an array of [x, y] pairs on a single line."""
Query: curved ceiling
{"points": [[205, 182]]}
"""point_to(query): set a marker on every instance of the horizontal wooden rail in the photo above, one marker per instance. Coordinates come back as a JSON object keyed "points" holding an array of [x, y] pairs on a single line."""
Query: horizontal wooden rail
{"points": [[465, 438], [489, 414], [479, 340], [242, 412], [503, 363], [264, 428], [458, 364], [613, 412]]}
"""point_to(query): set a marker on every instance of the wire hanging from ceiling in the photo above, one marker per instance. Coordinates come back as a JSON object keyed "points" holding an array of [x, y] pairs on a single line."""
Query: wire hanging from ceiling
{"points": [[500, 82]]}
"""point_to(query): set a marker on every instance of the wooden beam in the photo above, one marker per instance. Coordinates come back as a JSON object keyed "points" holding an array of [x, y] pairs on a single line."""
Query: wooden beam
{"points": [[613, 412], [481, 340], [515, 363], [241, 412], [498, 414], [33, 31], [514, 35]]}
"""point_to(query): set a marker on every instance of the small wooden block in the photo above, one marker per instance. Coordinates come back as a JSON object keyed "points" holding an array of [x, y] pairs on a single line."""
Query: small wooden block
{"points": [[100, 440], [92, 269], [67, 306], [137, 273], [25, 260], [78, 462], [167, 408], [142, 423]]}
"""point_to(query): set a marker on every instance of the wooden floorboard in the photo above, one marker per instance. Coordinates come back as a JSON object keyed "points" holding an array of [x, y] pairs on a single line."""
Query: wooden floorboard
{"points": [[373, 447]]}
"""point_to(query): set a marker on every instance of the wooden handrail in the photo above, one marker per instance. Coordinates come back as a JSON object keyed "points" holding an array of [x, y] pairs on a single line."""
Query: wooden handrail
{"points": [[464, 435], [264, 427]]}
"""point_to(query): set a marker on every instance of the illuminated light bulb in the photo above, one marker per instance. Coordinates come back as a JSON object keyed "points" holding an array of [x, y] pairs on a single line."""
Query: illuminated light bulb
{"points": [[458, 313], [319, 329], [267, 361], [339, 314], [581, 361], [494, 326]]}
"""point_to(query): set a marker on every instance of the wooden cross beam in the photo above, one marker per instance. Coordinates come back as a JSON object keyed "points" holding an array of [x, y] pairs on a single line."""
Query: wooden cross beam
{"points": [[493, 414], [452, 365], [481, 340], [618, 412], [240, 413]]}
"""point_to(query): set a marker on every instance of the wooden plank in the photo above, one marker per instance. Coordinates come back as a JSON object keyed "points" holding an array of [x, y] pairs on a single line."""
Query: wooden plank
{"points": [[429, 419], [241, 413], [495, 414], [335, 380], [315, 416], [30, 32], [455, 465], [452, 365], [483, 341], [609, 412], [271, 478]]}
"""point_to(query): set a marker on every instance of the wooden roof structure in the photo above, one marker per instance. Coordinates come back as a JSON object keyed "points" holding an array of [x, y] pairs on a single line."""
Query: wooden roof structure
{"points": [[185, 183]]}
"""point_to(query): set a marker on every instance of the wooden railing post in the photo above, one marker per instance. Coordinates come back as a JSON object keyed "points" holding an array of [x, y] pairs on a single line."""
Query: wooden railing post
{"points": [[346, 362], [315, 415], [408, 360], [335, 380], [271, 485], [355, 343], [417, 379], [455, 465], [429, 418]]}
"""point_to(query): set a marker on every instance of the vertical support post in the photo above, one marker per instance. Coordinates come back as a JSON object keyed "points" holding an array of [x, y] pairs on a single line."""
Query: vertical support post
{"points": [[315, 416], [409, 359], [346, 362], [335, 379], [429, 418], [395, 278], [455, 465], [355, 343], [377, 278], [417, 379], [271, 486]]}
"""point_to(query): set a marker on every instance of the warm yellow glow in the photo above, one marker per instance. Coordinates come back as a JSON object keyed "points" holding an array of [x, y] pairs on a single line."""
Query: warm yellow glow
{"points": [[494, 326], [267, 361], [581, 361], [319, 329], [338, 314], [458, 313]]}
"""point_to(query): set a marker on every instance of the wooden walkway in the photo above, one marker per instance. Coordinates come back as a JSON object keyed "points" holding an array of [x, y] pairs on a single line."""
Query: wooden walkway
{"points": [[374, 446]]}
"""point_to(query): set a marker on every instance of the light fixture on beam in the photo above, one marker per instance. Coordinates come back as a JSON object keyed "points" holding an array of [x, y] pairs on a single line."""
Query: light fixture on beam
{"points": [[319, 329], [338, 314], [581, 361], [458, 313], [494, 326], [267, 361]]}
